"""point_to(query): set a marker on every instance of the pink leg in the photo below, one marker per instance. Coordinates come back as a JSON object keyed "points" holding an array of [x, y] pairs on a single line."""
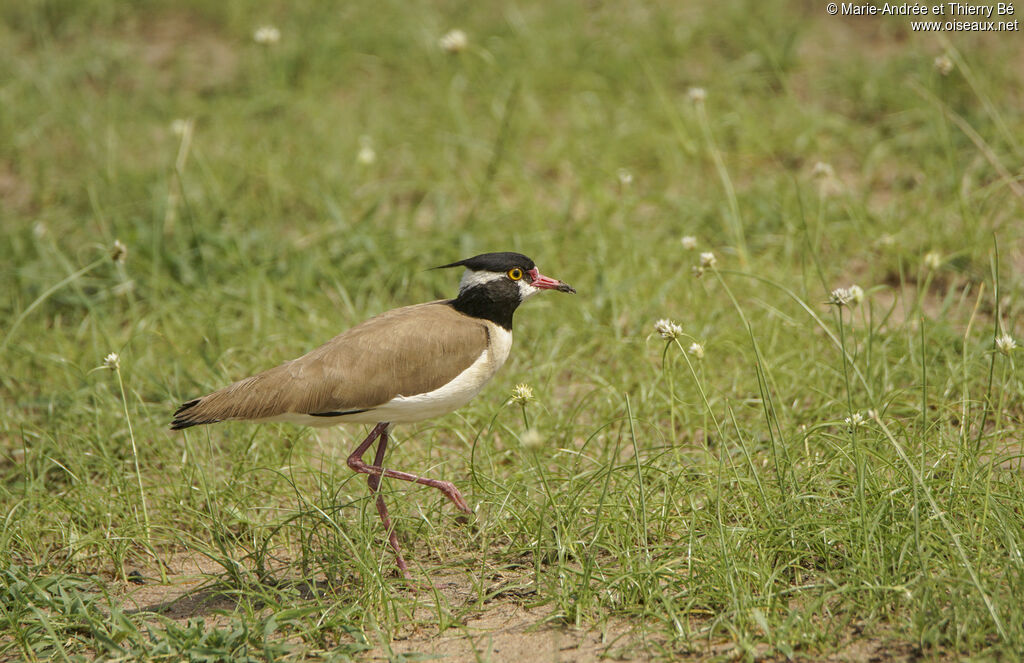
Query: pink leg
{"points": [[355, 461], [374, 482]]}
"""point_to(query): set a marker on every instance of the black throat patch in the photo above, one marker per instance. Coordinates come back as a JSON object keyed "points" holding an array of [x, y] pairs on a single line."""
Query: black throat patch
{"points": [[495, 301]]}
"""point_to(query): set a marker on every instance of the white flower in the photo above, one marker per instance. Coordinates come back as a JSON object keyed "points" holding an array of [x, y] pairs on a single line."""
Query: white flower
{"points": [[39, 229], [625, 177], [112, 361], [840, 297], [454, 41], [1005, 344], [180, 127], [532, 439], [696, 349], [118, 252], [697, 94], [668, 329], [822, 170], [522, 394], [266, 35], [856, 420], [708, 260], [689, 242], [828, 183], [366, 155], [933, 260], [846, 296], [943, 64]]}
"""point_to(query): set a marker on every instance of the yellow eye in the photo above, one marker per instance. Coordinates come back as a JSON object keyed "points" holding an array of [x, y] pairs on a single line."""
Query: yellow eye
{"points": [[515, 273]]}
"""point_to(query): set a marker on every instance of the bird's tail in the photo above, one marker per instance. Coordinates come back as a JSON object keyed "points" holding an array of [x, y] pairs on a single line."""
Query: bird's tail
{"points": [[191, 415]]}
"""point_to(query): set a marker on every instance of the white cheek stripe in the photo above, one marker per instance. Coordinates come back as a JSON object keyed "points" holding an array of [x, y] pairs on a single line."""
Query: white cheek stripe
{"points": [[473, 278], [526, 290]]}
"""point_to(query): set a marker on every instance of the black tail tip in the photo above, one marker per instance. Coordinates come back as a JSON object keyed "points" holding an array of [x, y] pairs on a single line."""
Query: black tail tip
{"points": [[187, 406], [182, 421]]}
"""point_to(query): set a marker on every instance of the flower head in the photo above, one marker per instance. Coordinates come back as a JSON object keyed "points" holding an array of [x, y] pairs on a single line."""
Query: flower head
{"points": [[855, 420], [625, 177], [856, 294], [828, 183], [112, 361], [180, 127], [454, 41], [1005, 344], [366, 155], [943, 65], [118, 252], [840, 297], [522, 394], [668, 329], [697, 95], [708, 260], [689, 242], [696, 349], [932, 260], [266, 35], [822, 170], [532, 439]]}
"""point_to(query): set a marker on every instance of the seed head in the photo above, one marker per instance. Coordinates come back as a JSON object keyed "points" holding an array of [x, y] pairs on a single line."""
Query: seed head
{"points": [[112, 361], [625, 177], [696, 349], [267, 35], [1005, 344], [118, 252], [668, 329], [689, 242], [856, 420], [708, 260], [697, 95], [454, 41], [943, 65], [522, 394], [932, 260]]}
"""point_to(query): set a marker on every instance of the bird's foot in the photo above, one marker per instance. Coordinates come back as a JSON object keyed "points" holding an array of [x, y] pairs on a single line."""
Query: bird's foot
{"points": [[452, 493]]}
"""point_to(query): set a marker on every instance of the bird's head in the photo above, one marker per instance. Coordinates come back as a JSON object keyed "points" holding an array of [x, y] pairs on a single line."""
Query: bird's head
{"points": [[506, 275]]}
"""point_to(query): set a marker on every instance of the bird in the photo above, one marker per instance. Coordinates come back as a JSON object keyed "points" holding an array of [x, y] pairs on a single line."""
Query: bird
{"points": [[402, 366]]}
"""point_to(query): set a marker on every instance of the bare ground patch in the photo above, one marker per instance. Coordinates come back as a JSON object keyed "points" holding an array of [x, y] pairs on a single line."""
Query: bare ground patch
{"points": [[511, 625]]}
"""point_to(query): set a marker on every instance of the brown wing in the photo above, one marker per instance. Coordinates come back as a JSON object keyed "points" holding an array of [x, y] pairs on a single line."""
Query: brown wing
{"points": [[406, 351]]}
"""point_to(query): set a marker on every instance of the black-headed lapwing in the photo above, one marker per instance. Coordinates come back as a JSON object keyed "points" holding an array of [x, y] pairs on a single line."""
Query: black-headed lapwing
{"points": [[405, 365]]}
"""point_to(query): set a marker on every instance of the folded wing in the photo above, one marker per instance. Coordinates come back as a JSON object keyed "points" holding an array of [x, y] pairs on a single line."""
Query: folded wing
{"points": [[404, 352]]}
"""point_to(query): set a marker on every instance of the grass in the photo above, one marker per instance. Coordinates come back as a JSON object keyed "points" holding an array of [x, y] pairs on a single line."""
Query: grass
{"points": [[824, 478]]}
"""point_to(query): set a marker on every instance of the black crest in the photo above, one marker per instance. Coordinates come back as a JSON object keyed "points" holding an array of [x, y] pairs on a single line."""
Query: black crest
{"points": [[494, 262]]}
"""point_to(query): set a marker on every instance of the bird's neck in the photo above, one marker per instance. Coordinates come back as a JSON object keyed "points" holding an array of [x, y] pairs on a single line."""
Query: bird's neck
{"points": [[488, 303]]}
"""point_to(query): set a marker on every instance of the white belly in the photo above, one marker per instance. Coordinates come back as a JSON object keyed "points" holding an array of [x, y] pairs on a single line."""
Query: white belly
{"points": [[452, 396]]}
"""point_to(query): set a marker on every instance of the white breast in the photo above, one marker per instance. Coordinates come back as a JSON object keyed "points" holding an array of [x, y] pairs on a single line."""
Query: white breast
{"points": [[452, 396]]}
